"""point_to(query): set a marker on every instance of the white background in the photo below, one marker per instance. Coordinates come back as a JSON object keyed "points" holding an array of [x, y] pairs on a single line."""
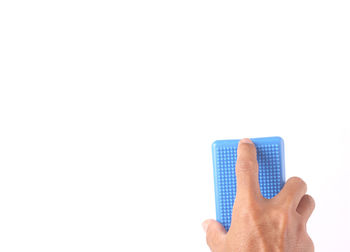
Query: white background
{"points": [[108, 110]]}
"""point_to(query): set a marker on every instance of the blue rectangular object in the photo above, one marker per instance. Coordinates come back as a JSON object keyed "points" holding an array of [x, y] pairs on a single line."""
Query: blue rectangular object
{"points": [[270, 155]]}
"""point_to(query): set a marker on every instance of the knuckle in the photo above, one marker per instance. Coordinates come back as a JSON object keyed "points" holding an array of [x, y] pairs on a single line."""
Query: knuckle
{"points": [[311, 200], [301, 228], [281, 217], [288, 202], [280, 213], [245, 165], [251, 212], [250, 207], [298, 182], [212, 238]]}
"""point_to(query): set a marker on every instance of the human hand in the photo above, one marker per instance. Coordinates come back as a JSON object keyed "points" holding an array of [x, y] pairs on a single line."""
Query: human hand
{"points": [[259, 224]]}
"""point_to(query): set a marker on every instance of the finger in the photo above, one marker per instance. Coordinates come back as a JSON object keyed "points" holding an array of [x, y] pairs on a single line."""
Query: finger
{"points": [[292, 192], [215, 233], [306, 206], [247, 173]]}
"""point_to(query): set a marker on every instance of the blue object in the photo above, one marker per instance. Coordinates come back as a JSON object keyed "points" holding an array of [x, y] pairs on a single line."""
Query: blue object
{"points": [[270, 155]]}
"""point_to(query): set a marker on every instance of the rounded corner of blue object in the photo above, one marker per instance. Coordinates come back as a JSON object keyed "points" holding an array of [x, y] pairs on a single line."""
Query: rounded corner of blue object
{"points": [[280, 139], [213, 146], [276, 139]]}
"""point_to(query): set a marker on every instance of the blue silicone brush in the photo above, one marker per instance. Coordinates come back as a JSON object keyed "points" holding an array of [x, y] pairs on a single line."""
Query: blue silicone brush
{"points": [[270, 155]]}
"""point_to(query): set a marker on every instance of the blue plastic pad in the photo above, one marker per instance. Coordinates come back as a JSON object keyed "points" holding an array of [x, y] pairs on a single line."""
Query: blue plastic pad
{"points": [[270, 155]]}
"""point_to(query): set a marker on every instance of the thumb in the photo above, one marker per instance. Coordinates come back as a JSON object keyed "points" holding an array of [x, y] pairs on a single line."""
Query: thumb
{"points": [[215, 233]]}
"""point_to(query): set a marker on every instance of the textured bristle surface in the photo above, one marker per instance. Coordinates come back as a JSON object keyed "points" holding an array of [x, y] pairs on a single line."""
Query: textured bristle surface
{"points": [[270, 155]]}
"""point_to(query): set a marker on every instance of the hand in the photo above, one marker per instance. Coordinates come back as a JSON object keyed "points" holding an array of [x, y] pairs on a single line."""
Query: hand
{"points": [[259, 224]]}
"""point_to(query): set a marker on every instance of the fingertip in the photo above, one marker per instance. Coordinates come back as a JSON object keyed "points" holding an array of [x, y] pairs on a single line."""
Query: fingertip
{"points": [[246, 141], [205, 225], [246, 148], [306, 206], [311, 200], [213, 225], [215, 233]]}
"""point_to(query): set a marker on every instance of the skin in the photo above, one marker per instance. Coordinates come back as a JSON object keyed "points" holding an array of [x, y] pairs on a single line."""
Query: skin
{"points": [[259, 224]]}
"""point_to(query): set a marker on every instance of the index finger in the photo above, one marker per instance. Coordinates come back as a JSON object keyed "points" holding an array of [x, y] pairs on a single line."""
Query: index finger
{"points": [[247, 171]]}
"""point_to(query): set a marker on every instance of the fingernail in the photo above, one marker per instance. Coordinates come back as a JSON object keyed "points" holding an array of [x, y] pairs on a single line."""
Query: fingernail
{"points": [[246, 141], [205, 226]]}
